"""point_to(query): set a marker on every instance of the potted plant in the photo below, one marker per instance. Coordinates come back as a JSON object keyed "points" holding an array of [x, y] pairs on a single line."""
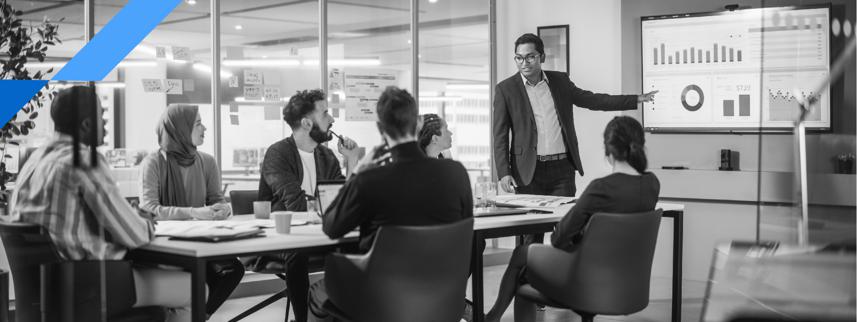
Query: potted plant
{"points": [[19, 44]]}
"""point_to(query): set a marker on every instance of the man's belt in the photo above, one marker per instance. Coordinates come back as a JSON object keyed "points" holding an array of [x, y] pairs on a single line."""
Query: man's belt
{"points": [[552, 157]]}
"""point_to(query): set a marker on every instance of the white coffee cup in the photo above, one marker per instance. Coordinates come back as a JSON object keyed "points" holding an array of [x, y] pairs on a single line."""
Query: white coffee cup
{"points": [[262, 209], [282, 221]]}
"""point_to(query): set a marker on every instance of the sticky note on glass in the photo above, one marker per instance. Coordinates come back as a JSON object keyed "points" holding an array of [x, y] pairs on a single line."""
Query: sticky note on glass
{"points": [[181, 53], [153, 86], [160, 52], [233, 81], [233, 119], [253, 93], [272, 113], [189, 85], [272, 94], [173, 86], [252, 77]]}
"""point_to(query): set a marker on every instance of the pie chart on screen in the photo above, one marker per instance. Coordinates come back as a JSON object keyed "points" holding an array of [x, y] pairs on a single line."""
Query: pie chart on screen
{"points": [[692, 98]]}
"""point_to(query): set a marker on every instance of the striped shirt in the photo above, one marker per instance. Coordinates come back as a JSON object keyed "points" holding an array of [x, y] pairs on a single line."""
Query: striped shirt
{"points": [[81, 208]]}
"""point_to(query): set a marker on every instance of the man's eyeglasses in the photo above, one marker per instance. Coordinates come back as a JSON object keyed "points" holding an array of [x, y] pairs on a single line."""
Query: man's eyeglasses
{"points": [[529, 58]]}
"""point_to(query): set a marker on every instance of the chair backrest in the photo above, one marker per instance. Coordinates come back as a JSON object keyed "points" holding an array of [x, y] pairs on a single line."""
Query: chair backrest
{"points": [[27, 246], [412, 273], [242, 201], [71, 288], [610, 271]]}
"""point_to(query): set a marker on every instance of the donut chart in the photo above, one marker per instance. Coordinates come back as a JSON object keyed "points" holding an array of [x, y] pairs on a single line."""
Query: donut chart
{"points": [[698, 104]]}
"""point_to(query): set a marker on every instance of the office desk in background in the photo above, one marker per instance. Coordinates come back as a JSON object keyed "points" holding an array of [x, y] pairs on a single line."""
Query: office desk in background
{"points": [[193, 256]]}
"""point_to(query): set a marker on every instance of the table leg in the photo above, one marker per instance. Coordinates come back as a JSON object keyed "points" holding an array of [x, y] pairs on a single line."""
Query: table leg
{"points": [[678, 237], [198, 291], [4, 296], [476, 269]]}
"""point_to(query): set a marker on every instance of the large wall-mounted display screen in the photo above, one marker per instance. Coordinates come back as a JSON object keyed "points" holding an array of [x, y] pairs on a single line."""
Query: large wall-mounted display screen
{"points": [[743, 70]]}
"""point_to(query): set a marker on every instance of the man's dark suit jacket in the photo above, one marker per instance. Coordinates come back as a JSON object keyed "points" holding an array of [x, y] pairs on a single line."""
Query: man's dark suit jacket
{"points": [[283, 173], [512, 111], [413, 190]]}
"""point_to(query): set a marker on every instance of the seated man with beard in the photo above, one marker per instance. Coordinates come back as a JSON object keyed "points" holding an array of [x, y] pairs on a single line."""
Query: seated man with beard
{"points": [[290, 172]]}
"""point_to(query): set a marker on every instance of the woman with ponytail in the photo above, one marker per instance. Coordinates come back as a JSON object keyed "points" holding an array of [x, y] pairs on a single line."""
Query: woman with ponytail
{"points": [[628, 189]]}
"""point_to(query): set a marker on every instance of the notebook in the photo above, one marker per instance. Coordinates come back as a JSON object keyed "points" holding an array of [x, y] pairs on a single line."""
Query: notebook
{"points": [[498, 211], [207, 231]]}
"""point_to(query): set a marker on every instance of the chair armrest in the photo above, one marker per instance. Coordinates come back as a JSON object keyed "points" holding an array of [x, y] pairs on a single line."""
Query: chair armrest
{"points": [[549, 269], [344, 277]]}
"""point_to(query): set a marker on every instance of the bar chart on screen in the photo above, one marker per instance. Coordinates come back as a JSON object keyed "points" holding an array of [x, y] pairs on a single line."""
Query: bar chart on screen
{"points": [[746, 69]]}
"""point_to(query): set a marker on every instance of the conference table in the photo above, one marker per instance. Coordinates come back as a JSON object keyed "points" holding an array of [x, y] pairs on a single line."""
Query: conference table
{"points": [[193, 256]]}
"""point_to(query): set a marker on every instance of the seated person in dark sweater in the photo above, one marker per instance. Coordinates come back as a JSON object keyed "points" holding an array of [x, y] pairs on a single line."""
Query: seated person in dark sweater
{"points": [[412, 189], [629, 189], [290, 172]]}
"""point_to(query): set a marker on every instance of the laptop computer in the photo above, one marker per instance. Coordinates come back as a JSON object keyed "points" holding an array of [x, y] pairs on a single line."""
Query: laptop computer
{"points": [[326, 192]]}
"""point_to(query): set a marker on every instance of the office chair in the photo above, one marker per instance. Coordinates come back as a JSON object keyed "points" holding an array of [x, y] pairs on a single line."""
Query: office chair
{"points": [[70, 288], [242, 201], [609, 273], [412, 273], [242, 204]]}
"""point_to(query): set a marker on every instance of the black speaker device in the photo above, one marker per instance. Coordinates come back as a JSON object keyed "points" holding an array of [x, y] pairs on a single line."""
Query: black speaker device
{"points": [[728, 160]]}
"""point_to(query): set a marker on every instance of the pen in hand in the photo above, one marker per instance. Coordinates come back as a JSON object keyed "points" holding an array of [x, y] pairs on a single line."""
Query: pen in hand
{"points": [[336, 135]]}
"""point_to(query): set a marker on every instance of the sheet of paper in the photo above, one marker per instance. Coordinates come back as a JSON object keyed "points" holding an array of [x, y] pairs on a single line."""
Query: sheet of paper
{"points": [[252, 77], [189, 85], [532, 201], [272, 94], [362, 90], [153, 86], [173, 86], [181, 53], [253, 93]]}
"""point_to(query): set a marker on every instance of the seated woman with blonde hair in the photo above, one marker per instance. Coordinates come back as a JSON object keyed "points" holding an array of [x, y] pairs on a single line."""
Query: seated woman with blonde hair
{"points": [[180, 183]]}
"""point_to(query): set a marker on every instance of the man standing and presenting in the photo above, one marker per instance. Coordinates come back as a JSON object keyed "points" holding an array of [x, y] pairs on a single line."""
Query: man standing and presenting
{"points": [[536, 107]]}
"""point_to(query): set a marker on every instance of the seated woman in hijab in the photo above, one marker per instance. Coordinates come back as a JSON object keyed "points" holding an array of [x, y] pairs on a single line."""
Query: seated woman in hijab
{"points": [[434, 136], [180, 183]]}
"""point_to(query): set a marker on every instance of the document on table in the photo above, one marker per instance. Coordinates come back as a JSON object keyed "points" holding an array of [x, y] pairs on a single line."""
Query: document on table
{"points": [[193, 228], [538, 202], [190, 228]]}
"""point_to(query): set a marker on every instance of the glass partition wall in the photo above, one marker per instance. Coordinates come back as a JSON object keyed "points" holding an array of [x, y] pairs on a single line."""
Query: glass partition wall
{"points": [[799, 171], [454, 77], [269, 49]]}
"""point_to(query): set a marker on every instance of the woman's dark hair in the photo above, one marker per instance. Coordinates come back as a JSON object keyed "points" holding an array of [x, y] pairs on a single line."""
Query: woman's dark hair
{"points": [[300, 105], [432, 125], [625, 141]]}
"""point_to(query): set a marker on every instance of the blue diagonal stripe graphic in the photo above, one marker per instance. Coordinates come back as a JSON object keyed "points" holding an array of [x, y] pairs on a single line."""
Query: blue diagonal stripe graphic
{"points": [[16, 94], [127, 29]]}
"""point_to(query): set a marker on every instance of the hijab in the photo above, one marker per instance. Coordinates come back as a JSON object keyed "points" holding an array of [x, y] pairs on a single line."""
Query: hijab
{"points": [[174, 137]]}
